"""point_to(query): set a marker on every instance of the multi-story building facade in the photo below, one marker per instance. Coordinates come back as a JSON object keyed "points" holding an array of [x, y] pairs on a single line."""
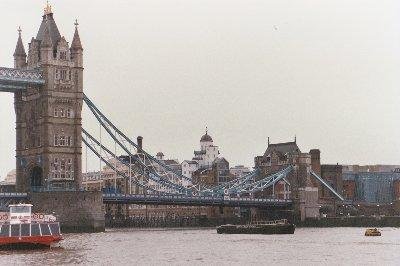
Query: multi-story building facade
{"points": [[239, 170], [208, 152], [48, 119], [8, 184], [203, 159], [277, 157], [189, 167]]}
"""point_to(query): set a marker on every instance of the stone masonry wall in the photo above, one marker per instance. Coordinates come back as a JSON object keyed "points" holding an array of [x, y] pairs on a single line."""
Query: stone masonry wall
{"points": [[77, 211]]}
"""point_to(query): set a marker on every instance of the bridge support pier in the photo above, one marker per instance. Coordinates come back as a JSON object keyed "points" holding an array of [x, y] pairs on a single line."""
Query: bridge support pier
{"points": [[77, 211]]}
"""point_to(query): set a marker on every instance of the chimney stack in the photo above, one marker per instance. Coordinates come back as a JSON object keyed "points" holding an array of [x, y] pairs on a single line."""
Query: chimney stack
{"points": [[140, 144]]}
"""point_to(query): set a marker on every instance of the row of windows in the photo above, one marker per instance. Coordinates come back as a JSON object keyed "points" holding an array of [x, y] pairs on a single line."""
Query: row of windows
{"points": [[60, 112], [63, 74], [58, 175], [63, 55], [62, 168], [65, 164], [63, 141]]}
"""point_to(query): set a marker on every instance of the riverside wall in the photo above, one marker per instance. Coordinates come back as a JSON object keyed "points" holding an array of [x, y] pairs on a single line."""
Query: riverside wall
{"points": [[77, 211], [356, 221]]}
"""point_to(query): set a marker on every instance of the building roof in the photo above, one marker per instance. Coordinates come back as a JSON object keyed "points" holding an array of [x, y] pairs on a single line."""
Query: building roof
{"points": [[49, 24], [19, 48], [282, 148], [170, 161], [370, 176], [190, 162], [10, 179], [205, 138], [76, 41], [219, 160]]}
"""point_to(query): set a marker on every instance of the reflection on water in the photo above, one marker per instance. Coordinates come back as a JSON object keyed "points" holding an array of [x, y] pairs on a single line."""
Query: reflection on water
{"points": [[308, 246]]}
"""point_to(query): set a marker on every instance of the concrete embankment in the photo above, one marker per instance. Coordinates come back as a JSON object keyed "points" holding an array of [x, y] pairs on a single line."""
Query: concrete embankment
{"points": [[359, 221]]}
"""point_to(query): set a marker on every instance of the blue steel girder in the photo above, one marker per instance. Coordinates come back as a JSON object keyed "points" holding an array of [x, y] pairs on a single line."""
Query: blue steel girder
{"points": [[153, 176], [231, 185], [115, 169], [109, 127], [12, 80], [195, 201], [263, 183], [331, 189]]}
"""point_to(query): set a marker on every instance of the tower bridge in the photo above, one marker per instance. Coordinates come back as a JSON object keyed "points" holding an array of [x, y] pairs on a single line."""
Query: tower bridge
{"points": [[47, 84]]}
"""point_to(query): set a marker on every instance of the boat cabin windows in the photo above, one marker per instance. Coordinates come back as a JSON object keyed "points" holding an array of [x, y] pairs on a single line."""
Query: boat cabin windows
{"points": [[4, 230], [45, 229], [25, 229], [35, 229], [55, 229], [15, 230], [20, 209]]}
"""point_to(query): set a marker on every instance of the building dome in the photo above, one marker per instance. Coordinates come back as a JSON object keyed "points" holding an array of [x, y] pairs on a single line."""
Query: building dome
{"points": [[205, 138]]}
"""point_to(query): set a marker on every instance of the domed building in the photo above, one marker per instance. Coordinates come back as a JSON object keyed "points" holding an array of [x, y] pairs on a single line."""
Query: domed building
{"points": [[203, 158], [208, 152]]}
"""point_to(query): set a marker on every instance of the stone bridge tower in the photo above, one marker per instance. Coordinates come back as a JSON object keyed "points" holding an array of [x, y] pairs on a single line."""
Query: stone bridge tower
{"points": [[48, 118]]}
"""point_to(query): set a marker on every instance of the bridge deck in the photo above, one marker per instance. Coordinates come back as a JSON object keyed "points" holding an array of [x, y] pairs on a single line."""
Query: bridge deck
{"points": [[194, 201], [171, 200], [12, 80]]}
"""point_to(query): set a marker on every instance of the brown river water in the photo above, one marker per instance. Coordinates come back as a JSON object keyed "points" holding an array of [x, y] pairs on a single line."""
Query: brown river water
{"points": [[308, 246]]}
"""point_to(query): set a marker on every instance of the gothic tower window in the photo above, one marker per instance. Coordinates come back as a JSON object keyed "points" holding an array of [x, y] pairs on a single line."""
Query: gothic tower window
{"points": [[69, 112], [63, 55], [62, 114], [55, 168], [55, 140], [55, 112], [63, 74], [62, 141]]}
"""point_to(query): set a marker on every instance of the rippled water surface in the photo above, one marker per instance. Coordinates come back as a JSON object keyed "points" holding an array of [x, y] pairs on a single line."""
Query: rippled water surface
{"points": [[308, 246]]}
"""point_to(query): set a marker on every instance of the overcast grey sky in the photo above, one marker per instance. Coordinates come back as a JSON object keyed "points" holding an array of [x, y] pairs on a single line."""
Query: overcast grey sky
{"points": [[328, 71]]}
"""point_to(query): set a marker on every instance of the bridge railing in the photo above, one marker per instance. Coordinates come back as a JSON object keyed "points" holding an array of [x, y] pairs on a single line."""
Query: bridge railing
{"points": [[12, 194], [189, 197]]}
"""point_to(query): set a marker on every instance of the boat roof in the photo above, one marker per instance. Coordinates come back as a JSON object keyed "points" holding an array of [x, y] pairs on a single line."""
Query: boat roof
{"points": [[20, 204]]}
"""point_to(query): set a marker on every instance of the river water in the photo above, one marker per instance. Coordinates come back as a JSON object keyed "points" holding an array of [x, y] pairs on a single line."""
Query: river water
{"points": [[308, 246]]}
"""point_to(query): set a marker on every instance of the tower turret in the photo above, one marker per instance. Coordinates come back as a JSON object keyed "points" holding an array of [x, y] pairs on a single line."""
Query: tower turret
{"points": [[19, 54], [49, 144], [76, 48]]}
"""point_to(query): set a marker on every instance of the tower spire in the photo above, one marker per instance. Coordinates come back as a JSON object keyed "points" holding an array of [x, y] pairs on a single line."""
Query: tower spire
{"points": [[19, 48], [76, 41]]}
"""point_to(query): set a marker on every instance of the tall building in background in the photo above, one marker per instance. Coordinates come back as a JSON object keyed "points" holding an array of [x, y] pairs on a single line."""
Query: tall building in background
{"points": [[48, 119], [208, 152], [203, 159]]}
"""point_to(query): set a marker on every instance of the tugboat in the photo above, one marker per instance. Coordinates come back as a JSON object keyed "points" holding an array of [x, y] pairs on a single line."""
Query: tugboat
{"points": [[21, 229], [260, 227], [372, 232]]}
